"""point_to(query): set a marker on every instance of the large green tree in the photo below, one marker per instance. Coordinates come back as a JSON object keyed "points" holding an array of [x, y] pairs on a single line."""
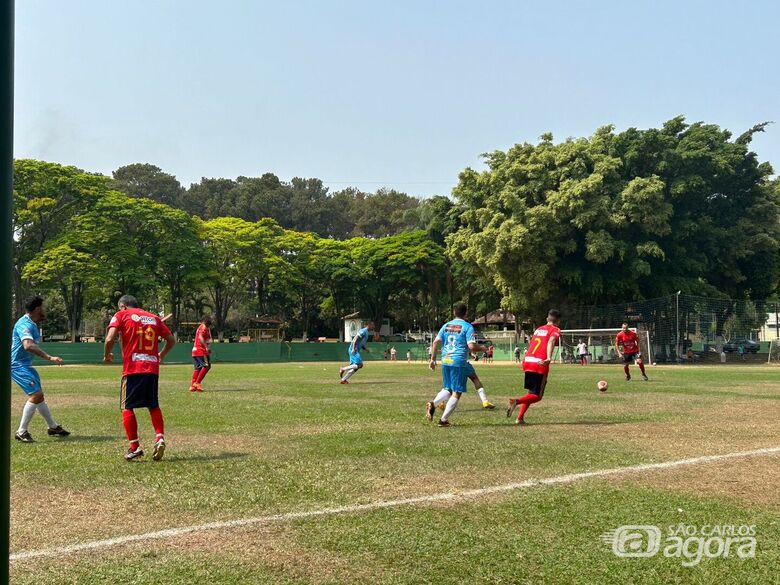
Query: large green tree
{"points": [[46, 196], [635, 214], [150, 182]]}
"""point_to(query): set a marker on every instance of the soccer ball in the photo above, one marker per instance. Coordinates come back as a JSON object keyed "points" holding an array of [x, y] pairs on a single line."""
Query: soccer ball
{"points": [[602, 385]]}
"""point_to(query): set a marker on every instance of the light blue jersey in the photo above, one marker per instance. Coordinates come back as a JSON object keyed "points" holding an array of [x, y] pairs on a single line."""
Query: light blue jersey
{"points": [[359, 341], [456, 336], [25, 328]]}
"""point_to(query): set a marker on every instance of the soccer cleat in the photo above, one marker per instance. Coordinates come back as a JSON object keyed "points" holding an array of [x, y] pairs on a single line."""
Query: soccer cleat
{"points": [[445, 423], [134, 454], [59, 431], [24, 437], [628, 377], [511, 408], [487, 405], [430, 410], [198, 387], [193, 388], [344, 382], [159, 449], [645, 377], [520, 422]]}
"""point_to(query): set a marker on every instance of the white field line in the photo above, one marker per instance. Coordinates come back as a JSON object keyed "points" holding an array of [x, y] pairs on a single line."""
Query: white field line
{"points": [[560, 479]]}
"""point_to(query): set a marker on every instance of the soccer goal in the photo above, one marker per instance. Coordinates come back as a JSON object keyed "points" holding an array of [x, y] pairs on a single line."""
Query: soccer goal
{"points": [[600, 345]]}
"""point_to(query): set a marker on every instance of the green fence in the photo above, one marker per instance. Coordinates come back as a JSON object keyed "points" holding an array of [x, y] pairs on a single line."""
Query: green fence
{"points": [[92, 353]]}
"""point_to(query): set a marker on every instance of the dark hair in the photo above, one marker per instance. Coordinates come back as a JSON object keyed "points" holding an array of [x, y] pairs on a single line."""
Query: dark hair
{"points": [[460, 310], [129, 301], [554, 314], [33, 303], [206, 319]]}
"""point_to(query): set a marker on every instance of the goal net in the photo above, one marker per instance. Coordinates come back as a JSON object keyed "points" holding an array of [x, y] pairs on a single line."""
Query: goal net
{"points": [[599, 345]]}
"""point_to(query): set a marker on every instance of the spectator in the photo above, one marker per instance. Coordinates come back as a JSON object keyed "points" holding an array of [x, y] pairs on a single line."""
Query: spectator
{"points": [[408, 356], [517, 354], [393, 354], [582, 352]]}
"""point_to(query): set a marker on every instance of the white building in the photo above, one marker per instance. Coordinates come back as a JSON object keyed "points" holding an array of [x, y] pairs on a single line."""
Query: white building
{"points": [[354, 322]]}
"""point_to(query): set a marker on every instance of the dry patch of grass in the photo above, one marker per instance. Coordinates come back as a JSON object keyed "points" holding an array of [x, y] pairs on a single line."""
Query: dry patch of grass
{"points": [[749, 481]]}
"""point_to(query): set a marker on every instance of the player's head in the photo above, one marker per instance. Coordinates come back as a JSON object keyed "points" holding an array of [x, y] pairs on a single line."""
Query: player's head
{"points": [[624, 327], [553, 316], [128, 302], [460, 310], [34, 308], [207, 320]]}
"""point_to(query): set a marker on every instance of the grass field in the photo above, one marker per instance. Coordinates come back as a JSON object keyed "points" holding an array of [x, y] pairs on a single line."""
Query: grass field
{"points": [[279, 439]]}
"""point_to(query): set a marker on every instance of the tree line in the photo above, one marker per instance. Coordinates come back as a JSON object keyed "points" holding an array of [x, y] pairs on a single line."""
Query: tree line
{"points": [[602, 219]]}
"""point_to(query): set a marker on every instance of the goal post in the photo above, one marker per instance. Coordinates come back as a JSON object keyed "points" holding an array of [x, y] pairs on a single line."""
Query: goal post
{"points": [[774, 352], [600, 345]]}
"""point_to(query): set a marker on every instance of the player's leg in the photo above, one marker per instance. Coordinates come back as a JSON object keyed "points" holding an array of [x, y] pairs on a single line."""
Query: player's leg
{"points": [[626, 361], [534, 386], [355, 363], [129, 399], [457, 383], [27, 382], [638, 361], [472, 375], [151, 385], [197, 365], [206, 361]]}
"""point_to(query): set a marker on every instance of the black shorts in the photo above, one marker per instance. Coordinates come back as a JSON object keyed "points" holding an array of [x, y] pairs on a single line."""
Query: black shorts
{"points": [[534, 383], [139, 391], [631, 357], [201, 361]]}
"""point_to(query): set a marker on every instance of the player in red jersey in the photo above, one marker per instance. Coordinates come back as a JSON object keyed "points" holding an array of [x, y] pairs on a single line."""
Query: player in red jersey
{"points": [[627, 347], [536, 365], [139, 332], [201, 354]]}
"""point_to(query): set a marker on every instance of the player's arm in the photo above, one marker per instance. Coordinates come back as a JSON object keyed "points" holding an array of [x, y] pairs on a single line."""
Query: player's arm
{"points": [[33, 348], [475, 347], [204, 342], [434, 351], [551, 343], [617, 348], [170, 341], [108, 347]]}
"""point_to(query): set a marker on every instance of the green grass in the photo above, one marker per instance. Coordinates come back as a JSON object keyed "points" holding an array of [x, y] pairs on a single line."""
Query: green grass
{"points": [[268, 439]]}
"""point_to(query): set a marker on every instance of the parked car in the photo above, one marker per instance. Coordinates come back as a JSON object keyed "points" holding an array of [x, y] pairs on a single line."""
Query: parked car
{"points": [[749, 345]]}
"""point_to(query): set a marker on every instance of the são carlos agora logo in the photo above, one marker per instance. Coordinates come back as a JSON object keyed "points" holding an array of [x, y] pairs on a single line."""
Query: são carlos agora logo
{"points": [[688, 542]]}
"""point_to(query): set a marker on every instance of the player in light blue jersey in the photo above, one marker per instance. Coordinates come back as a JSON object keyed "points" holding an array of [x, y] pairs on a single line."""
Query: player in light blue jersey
{"points": [[357, 345], [24, 344], [457, 340]]}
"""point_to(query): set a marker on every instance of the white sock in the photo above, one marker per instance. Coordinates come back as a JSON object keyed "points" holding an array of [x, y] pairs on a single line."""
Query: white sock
{"points": [[349, 371], [482, 395], [43, 408], [441, 397], [27, 413], [452, 404]]}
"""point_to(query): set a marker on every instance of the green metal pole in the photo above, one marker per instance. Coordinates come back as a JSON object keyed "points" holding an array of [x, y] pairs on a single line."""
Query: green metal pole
{"points": [[6, 209]]}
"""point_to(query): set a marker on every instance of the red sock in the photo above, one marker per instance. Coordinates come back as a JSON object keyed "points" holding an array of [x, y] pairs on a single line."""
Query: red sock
{"points": [[641, 367], [525, 402], [202, 374], [157, 421], [131, 427], [625, 369], [195, 374]]}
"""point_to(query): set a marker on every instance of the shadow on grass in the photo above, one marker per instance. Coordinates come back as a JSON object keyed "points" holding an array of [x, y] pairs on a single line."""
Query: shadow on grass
{"points": [[207, 457], [74, 438]]}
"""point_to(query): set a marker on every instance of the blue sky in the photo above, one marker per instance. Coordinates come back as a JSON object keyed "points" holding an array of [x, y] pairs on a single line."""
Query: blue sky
{"points": [[398, 94]]}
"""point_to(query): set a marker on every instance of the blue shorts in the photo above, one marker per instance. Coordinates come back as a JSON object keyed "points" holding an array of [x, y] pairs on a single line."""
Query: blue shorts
{"points": [[454, 378], [470, 371], [27, 378], [355, 359], [201, 361]]}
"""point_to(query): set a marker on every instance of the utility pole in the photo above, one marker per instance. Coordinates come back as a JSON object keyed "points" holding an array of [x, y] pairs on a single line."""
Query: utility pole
{"points": [[6, 209]]}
